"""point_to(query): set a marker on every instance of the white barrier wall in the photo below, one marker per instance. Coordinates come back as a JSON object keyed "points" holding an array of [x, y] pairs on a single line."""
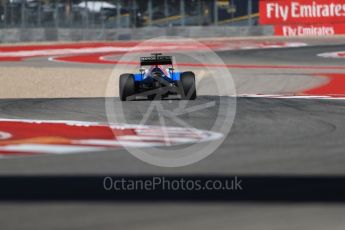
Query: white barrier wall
{"points": [[47, 34]]}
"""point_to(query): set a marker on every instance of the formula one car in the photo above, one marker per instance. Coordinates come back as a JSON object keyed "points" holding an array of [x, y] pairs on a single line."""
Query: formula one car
{"points": [[157, 81]]}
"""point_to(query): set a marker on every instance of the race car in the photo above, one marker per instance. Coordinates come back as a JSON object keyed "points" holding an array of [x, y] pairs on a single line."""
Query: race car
{"points": [[157, 79]]}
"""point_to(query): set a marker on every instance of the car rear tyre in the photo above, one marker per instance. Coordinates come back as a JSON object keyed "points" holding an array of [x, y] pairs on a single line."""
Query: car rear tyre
{"points": [[188, 86], [127, 86]]}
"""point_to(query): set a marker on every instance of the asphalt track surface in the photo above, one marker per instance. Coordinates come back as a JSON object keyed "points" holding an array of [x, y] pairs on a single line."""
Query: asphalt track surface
{"points": [[271, 138]]}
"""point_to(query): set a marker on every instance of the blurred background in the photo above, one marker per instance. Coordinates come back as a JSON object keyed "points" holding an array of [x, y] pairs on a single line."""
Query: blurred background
{"points": [[126, 13]]}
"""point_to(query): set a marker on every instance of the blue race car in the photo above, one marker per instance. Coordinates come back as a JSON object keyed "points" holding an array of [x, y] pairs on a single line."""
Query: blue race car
{"points": [[157, 81]]}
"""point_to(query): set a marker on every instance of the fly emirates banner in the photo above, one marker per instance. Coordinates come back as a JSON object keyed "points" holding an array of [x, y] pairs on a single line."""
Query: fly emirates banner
{"points": [[304, 17]]}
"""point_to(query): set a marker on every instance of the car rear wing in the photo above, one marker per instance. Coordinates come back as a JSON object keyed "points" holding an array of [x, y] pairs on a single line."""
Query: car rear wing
{"points": [[156, 60]]}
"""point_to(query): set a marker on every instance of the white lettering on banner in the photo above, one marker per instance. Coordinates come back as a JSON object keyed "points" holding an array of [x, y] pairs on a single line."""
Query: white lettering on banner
{"points": [[294, 10], [284, 11], [308, 31], [288, 31], [269, 9], [298, 10], [279, 11]]}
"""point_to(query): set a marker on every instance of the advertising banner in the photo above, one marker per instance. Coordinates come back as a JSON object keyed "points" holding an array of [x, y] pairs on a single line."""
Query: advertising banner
{"points": [[283, 12]]}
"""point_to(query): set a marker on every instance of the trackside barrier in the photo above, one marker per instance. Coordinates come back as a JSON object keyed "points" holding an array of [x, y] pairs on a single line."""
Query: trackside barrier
{"points": [[53, 34]]}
